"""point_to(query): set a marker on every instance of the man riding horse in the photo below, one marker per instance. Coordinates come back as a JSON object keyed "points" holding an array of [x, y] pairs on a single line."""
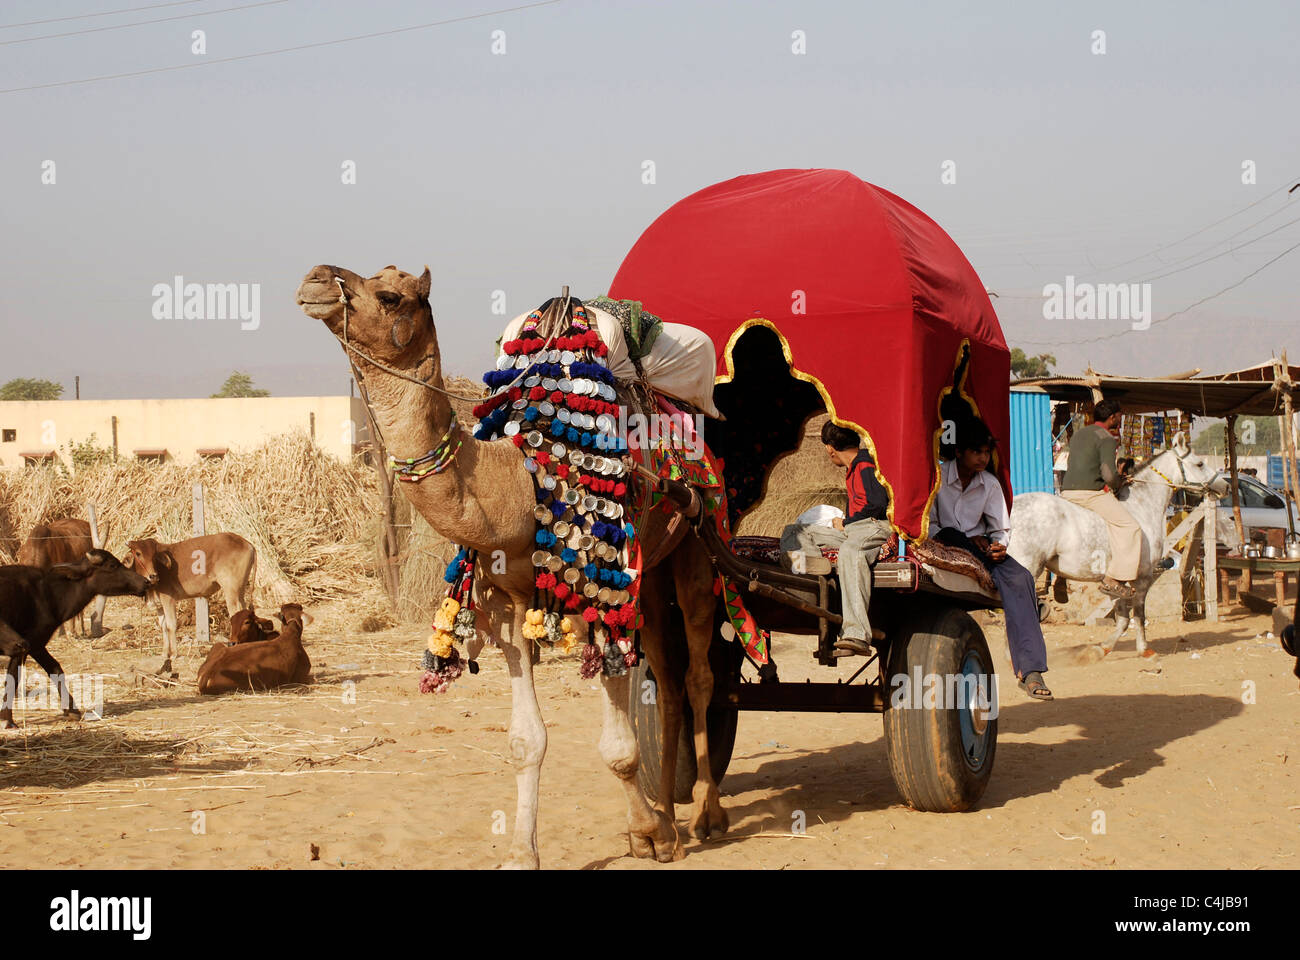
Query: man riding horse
{"points": [[1091, 470]]}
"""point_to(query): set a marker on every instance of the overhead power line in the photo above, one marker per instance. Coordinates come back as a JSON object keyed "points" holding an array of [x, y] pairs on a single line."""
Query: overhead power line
{"points": [[142, 23], [1195, 233], [271, 53], [1240, 246], [1231, 236], [1167, 317], [106, 13]]}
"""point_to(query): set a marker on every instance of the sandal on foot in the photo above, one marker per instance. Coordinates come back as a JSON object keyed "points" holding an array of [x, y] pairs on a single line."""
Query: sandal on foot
{"points": [[852, 647], [1032, 684]]}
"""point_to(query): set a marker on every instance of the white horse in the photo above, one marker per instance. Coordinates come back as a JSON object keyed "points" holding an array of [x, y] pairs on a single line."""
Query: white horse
{"points": [[1072, 542]]}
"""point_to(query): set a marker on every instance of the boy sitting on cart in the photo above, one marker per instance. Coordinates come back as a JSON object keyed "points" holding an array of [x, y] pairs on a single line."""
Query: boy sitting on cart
{"points": [[859, 537], [970, 512]]}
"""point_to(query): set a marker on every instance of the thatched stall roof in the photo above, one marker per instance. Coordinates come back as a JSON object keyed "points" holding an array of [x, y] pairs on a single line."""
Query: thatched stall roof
{"points": [[1253, 391]]}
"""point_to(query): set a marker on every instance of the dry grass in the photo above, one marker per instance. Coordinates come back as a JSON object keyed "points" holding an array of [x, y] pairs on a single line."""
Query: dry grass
{"points": [[803, 479], [309, 515]]}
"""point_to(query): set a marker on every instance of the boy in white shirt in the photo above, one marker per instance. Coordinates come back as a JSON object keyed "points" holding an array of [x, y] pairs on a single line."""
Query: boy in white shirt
{"points": [[970, 512]]}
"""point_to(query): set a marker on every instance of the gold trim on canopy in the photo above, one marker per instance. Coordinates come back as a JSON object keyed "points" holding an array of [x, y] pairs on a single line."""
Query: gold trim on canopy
{"points": [[975, 407], [826, 401]]}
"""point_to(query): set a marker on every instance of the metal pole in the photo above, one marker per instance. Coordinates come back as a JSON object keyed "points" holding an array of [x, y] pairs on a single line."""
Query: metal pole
{"points": [[1208, 540], [1288, 441], [1232, 473]]}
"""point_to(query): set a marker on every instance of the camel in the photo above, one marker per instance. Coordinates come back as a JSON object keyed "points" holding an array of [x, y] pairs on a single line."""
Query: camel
{"points": [[484, 500]]}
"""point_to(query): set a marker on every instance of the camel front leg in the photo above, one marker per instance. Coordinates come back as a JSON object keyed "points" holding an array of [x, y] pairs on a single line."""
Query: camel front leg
{"points": [[668, 689], [650, 833], [699, 608], [527, 744]]}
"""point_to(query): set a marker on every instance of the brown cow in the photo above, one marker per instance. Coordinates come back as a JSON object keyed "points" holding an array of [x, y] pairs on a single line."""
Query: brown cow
{"points": [[261, 664], [63, 541], [247, 627], [197, 567]]}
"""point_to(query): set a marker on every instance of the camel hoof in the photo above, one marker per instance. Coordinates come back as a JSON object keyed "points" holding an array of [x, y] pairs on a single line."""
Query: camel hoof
{"points": [[1148, 654], [522, 861], [662, 844], [710, 819]]}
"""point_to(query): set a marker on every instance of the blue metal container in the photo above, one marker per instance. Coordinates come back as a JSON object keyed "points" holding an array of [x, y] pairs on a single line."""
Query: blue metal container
{"points": [[1031, 443], [1275, 476]]}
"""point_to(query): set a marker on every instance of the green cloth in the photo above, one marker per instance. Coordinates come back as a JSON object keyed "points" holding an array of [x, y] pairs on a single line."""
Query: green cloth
{"points": [[1092, 459], [640, 327]]}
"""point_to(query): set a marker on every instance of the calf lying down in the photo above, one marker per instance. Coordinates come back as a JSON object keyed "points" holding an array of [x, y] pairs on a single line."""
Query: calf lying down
{"points": [[249, 663]]}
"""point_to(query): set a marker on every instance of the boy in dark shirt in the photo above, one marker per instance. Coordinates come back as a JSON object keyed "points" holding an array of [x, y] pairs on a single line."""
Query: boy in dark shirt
{"points": [[859, 536]]}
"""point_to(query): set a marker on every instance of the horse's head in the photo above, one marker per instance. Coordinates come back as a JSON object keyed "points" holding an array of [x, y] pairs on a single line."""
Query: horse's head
{"points": [[1182, 467]]}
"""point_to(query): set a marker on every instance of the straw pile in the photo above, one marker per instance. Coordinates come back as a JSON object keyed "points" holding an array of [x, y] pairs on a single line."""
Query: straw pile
{"points": [[309, 515], [801, 480]]}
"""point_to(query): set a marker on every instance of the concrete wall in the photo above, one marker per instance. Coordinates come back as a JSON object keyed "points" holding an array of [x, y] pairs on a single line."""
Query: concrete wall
{"points": [[181, 426]]}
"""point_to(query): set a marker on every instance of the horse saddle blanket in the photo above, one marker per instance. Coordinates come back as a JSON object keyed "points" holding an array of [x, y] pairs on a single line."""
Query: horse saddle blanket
{"points": [[680, 361]]}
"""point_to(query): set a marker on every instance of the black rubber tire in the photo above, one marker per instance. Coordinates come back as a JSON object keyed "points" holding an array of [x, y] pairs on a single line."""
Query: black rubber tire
{"points": [[926, 754], [721, 724]]}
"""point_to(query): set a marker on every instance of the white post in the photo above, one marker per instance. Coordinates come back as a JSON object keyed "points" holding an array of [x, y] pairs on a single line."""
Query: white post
{"points": [[95, 538], [201, 635], [1209, 544], [96, 541]]}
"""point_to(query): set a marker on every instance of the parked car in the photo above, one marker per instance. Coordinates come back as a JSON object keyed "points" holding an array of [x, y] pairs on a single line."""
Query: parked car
{"points": [[1261, 507]]}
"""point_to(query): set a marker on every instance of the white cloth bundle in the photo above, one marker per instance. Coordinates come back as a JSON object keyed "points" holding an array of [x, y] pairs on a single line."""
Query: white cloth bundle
{"points": [[680, 362]]}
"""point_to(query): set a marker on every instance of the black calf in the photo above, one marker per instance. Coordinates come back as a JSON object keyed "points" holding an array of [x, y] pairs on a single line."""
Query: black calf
{"points": [[33, 603]]}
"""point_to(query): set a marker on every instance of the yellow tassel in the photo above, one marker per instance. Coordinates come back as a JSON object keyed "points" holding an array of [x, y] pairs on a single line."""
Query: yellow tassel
{"points": [[445, 619], [440, 643]]}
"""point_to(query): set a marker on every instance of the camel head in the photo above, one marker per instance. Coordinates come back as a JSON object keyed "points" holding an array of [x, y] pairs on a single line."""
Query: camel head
{"points": [[388, 315]]}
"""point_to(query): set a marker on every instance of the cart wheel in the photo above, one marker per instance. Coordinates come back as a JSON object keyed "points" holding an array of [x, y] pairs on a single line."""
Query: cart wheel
{"points": [[644, 710], [1043, 611], [941, 746]]}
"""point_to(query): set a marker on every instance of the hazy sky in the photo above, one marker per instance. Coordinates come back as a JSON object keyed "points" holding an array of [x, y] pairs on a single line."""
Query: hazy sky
{"points": [[522, 172]]}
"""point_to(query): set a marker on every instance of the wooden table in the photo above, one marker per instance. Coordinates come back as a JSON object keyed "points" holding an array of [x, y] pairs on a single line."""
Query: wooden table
{"points": [[1248, 566]]}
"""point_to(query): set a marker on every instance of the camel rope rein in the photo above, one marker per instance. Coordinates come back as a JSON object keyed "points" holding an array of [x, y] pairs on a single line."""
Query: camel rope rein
{"points": [[347, 345], [410, 469]]}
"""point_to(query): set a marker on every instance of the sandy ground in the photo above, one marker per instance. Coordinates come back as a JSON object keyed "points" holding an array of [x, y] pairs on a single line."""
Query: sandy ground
{"points": [[372, 774]]}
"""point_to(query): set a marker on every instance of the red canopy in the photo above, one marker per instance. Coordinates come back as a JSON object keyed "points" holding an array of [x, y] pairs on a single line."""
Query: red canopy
{"points": [[871, 298]]}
